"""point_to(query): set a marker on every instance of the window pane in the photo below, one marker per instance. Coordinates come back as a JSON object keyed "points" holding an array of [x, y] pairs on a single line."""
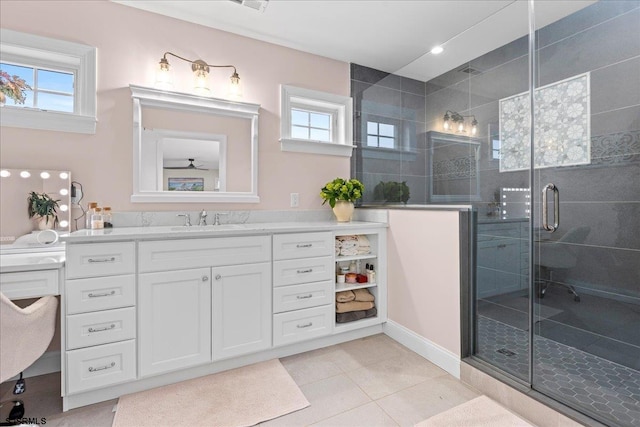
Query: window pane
{"points": [[372, 141], [25, 73], [299, 117], [55, 80], [387, 130], [28, 102], [321, 120], [55, 102], [320, 135], [299, 132], [372, 128], [386, 142]]}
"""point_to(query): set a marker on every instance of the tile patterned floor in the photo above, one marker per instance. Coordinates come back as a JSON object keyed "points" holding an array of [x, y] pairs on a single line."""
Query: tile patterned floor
{"points": [[369, 382], [605, 388]]}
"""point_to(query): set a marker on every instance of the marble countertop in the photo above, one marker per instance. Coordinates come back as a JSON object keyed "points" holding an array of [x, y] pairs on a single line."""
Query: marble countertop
{"points": [[181, 232]]}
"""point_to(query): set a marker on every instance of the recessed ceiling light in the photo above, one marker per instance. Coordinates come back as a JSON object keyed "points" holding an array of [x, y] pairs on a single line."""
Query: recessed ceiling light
{"points": [[437, 50]]}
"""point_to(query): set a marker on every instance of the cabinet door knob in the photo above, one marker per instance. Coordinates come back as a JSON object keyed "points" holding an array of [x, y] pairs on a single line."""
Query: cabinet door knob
{"points": [[205, 278], [218, 277]]}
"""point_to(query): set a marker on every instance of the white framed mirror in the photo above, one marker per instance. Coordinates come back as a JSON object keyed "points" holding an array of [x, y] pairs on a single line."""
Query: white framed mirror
{"points": [[189, 148]]}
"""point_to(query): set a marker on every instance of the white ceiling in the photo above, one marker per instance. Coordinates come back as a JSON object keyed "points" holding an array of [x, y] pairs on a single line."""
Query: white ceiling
{"points": [[393, 35]]}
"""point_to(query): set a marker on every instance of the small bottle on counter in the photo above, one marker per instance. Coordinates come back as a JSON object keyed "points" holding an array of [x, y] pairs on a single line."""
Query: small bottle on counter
{"points": [[353, 268], [107, 217], [371, 275], [91, 207], [97, 222]]}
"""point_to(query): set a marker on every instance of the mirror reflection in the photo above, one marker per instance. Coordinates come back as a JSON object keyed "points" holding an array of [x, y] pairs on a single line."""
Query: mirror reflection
{"points": [[16, 185], [454, 167]]}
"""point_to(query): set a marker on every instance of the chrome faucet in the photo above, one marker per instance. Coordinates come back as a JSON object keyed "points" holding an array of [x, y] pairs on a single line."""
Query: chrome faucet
{"points": [[187, 219], [203, 218], [216, 218]]}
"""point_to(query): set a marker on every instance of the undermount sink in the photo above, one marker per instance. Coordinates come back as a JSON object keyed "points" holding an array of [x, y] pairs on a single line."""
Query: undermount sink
{"points": [[221, 227]]}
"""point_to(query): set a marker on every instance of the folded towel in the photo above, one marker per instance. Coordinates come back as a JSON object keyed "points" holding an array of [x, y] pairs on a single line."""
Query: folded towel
{"points": [[350, 317], [344, 307], [373, 312], [364, 247], [345, 296], [362, 295]]}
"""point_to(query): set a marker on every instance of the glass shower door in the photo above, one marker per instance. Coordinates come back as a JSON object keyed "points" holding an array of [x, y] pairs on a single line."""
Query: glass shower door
{"points": [[586, 192]]}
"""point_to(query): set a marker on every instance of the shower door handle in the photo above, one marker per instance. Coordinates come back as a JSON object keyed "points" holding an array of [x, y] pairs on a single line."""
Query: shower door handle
{"points": [[556, 208]]}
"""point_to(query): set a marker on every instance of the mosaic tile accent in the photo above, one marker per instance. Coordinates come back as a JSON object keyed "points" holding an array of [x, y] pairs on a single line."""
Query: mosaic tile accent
{"points": [[606, 389], [562, 126]]}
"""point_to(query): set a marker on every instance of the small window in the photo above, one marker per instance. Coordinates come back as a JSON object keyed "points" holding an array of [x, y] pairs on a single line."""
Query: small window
{"points": [[51, 90], [495, 149], [61, 76], [315, 122], [381, 135]]}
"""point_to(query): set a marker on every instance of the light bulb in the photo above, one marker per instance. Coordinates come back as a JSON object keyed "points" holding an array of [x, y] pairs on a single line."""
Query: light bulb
{"points": [[164, 80], [474, 129], [5, 173], [64, 175], [201, 78], [64, 208], [25, 174], [446, 125], [45, 175], [461, 127], [64, 223], [235, 87], [64, 192]]}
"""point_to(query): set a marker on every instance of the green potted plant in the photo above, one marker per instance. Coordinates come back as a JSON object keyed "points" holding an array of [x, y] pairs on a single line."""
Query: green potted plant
{"points": [[341, 193], [44, 209], [392, 192]]}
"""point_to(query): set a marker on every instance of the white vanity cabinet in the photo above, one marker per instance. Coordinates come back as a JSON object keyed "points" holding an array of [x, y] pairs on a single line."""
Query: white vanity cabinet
{"points": [[99, 315], [303, 272], [202, 300]]}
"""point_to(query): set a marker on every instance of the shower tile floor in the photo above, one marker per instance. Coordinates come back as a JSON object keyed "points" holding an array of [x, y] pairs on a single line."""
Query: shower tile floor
{"points": [[602, 387]]}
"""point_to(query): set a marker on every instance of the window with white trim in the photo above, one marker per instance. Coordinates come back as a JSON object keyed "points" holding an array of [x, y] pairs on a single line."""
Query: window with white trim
{"points": [[381, 135], [315, 122], [61, 77]]}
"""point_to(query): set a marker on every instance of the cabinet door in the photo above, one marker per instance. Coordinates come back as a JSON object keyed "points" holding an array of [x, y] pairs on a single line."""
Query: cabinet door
{"points": [[175, 320], [241, 309]]}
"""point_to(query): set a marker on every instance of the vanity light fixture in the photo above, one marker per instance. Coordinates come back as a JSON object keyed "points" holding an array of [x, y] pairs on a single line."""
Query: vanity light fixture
{"points": [[454, 119], [201, 76]]}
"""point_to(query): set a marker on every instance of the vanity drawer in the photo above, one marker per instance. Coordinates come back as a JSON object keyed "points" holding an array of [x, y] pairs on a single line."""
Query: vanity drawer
{"points": [[100, 259], [100, 366], [101, 293], [297, 271], [196, 253], [101, 327], [301, 325], [296, 297], [303, 245], [29, 284]]}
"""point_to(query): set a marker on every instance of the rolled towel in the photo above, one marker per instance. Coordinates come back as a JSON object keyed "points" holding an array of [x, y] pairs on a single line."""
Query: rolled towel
{"points": [[345, 296], [373, 312], [352, 316], [362, 295], [345, 307]]}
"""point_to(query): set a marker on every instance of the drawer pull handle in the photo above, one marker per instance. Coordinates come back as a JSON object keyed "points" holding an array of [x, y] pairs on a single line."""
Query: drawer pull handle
{"points": [[306, 325], [218, 277], [106, 328], [304, 296], [308, 270], [102, 368], [92, 260], [304, 245], [206, 278], [104, 294]]}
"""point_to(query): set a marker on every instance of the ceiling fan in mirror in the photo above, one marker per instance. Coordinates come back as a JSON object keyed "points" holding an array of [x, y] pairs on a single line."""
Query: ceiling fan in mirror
{"points": [[190, 166]]}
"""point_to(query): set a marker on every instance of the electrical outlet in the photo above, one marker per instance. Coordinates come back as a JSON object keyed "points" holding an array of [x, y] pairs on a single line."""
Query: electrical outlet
{"points": [[295, 200], [76, 194]]}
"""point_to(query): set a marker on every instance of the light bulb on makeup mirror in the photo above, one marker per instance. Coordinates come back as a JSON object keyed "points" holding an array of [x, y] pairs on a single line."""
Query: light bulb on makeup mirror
{"points": [[64, 175], [64, 208], [5, 173], [45, 175], [25, 174], [64, 192], [64, 223]]}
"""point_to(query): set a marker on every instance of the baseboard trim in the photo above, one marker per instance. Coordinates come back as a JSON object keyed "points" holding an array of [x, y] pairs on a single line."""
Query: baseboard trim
{"points": [[431, 351], [46, 364]]}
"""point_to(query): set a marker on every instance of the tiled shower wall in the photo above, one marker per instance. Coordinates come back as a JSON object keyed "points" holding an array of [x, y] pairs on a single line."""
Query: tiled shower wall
{"points": [[604, 195]]}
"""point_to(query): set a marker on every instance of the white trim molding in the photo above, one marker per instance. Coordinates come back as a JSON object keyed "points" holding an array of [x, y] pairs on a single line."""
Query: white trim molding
{"points": [[37, 51], [339, 107], [431, 351]]}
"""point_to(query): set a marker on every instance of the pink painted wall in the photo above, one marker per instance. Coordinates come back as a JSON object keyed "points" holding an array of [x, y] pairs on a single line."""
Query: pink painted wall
{"points": [[130, 43], [424, 275]]}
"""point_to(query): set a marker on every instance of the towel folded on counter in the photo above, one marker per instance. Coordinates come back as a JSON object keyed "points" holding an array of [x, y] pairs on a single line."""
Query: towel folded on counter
{"points": [[362, 295], [352, 245], [344, 307], [345, 296], [352, 316]]}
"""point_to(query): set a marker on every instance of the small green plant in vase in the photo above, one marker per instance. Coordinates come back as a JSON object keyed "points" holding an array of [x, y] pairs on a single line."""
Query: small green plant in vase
{"points": [[44, 209], [341, 193]]}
